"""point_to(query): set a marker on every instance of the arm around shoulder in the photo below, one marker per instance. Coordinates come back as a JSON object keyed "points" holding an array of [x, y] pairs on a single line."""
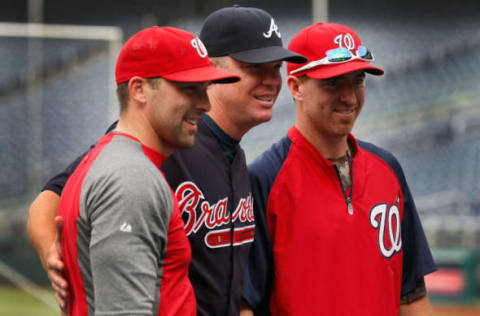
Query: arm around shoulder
{"points": [[41, 223], [42, 227]]}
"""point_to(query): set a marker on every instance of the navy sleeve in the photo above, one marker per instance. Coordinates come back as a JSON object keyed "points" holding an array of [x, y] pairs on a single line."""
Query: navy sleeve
{"points": [[417, 258], [259, 272], [57, 182]]}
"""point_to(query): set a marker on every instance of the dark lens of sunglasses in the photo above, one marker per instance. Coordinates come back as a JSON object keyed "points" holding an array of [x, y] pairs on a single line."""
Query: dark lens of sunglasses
{"points": [[364, 53], [338, 55]]}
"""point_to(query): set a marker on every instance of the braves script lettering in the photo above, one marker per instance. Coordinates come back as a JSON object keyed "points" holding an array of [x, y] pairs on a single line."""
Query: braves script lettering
{"points": [[190, 197], [395, 241]]}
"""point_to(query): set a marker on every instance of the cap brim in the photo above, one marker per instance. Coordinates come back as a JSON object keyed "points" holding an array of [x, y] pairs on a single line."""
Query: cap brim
{"points": [[267, 55], [203, 74], [330, 71]]}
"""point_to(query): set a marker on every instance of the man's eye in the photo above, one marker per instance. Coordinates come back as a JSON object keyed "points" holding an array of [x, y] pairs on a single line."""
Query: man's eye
{"points": [[254, 67], [360, 81], [332, 83], [189, 89]]}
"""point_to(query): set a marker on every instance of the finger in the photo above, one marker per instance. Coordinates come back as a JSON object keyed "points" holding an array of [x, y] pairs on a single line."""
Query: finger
{"points": [[64, 309], [53, 257], [58, 279], [60, 300], [55, 264], [59, 291]]}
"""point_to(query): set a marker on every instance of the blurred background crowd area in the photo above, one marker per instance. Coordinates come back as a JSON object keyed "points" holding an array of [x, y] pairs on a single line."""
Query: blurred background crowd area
{"points": [[57, 97]]}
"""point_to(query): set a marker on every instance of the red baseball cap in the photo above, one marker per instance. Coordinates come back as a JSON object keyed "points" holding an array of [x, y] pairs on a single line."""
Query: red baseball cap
{"points": [[332, 50], [169, 53]]}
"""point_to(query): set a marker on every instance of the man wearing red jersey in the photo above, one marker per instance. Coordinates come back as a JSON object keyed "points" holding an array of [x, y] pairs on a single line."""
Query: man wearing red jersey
{"points": [[337, 231], [123, 243]]}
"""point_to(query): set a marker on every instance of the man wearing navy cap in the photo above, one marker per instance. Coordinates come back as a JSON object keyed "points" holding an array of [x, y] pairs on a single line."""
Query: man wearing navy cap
{"points": [[211, 180]]}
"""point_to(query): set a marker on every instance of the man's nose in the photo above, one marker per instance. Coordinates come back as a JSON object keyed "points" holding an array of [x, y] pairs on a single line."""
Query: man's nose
{"points": [[347, 94]]}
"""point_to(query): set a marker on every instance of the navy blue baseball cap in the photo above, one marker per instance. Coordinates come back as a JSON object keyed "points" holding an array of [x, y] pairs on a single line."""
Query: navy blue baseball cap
{"points": [[248, 35]]}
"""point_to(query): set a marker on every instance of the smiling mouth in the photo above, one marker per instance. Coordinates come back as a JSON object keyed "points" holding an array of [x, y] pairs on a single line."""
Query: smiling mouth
{"points": [[192, 122], [265, 98], [345, 111]]}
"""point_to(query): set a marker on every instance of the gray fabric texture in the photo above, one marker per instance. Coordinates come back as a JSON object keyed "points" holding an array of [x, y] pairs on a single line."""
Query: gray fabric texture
{"points": [[125, 209]]}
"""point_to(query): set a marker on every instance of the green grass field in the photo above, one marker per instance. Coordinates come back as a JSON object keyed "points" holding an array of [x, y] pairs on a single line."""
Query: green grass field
{"points": [[15, 302]]}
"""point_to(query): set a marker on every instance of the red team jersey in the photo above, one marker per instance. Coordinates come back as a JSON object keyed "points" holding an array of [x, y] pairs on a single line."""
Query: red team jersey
{"points": [[123, 242], [216, 204], [324, 260]]}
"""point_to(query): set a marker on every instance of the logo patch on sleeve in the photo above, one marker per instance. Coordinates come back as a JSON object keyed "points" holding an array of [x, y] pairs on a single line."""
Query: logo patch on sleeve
{"points": [[126, 227]]}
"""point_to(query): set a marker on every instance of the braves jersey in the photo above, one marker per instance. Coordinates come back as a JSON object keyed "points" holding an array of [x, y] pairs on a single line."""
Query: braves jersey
{"points": [[123, 242], [215, 198], [320, 251], [216, 204]]}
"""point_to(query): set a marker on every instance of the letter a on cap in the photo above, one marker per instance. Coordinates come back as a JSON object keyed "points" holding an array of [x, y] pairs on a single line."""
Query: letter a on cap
{"points": [[273, 28]]}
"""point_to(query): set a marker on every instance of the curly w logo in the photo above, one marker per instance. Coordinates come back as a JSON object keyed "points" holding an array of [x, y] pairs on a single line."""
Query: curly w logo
{"points": [[391, 243]]}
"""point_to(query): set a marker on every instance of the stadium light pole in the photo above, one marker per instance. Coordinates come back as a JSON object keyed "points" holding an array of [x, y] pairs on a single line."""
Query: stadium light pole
{"points": [[36, 32], [319, 11], [34, 103], [39, 32]]}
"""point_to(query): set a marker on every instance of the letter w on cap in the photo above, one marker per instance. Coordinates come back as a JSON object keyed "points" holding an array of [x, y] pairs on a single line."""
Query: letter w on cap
{"points": [[200, 47]]}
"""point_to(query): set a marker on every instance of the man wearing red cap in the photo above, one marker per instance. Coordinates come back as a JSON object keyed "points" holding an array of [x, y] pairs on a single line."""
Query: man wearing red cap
{"points": [[337, 231], [123, 243], [210, 179]]}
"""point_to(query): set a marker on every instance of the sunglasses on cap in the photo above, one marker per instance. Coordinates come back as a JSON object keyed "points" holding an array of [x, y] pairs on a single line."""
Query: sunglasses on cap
{"points": [[337, 56]]}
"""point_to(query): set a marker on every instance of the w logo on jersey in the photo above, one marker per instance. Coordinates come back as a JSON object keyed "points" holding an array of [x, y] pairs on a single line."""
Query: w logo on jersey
{"points": [[389, 243]]}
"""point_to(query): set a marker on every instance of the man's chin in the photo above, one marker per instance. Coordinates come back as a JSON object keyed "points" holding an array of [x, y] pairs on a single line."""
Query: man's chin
{"points": [[185, 143], [262, 119], [341, 133]]}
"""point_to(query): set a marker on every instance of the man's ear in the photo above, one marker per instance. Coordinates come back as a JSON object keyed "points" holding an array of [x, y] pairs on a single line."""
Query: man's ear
{"points": [[295, 87], [136, 88]]}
